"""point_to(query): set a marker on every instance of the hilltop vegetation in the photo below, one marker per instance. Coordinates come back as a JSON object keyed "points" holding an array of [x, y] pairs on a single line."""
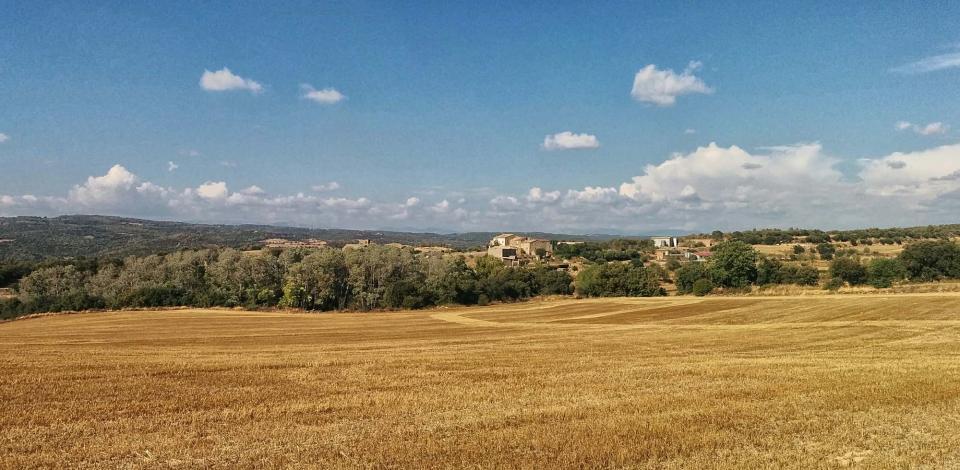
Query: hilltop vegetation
{"points": [[867, 236], [42, 238]]}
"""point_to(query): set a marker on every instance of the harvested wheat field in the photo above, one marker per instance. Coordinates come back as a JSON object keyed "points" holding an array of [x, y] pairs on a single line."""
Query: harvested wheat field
{"points": [[868, 381]]}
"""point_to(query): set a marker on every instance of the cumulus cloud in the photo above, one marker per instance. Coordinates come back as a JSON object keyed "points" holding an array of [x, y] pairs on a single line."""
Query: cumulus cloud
{"points": [[538, 195], [930, 64], [107, 189], [4, 137], [569, 141], [914, 175], [213, 190], [932, 128], [324, 96], [225, 80], [662, 87], [331, 186], [731, 187]]}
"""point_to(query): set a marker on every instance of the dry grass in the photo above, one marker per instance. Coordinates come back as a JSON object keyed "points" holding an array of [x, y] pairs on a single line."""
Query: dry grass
{"points": [[826, 381], [904, 288]]}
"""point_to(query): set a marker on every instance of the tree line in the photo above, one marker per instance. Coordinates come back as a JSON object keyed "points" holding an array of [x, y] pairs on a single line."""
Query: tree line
{"points": [[372, 278], [382, 277], [868, 236], [737, 265]]}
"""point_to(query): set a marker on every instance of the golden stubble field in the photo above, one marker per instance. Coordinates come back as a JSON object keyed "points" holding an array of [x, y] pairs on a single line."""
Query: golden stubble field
{"points": [[866, 381]]}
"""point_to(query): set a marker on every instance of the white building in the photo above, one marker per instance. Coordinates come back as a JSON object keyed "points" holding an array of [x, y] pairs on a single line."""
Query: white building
{"points": [[665, 242]]}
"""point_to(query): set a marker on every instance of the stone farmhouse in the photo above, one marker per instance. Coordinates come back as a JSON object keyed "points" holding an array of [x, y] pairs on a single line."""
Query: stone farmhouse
{"points": [[515, 249]]}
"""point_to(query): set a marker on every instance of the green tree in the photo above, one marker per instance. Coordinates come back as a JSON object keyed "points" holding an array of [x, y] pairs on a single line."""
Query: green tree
{"points": [[883, 272], [733, 264], [769, 271], [688, 274], [931, 260], [319, 281], [849, 270], [549, 281], [618, 279], [451, 281]]}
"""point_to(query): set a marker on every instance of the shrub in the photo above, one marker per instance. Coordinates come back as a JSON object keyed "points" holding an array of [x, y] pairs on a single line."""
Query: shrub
{"points": [[702, 287], [800, 275], [826, 251], [618, 279], [769, 271], [848, 270], [883, 272]]}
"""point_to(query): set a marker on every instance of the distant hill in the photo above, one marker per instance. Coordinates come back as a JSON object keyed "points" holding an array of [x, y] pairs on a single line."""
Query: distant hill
{"points": [[37, 238]]}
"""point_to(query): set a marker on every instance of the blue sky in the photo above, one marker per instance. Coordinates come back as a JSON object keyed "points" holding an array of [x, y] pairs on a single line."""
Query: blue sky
{"points": [[450, 102]]}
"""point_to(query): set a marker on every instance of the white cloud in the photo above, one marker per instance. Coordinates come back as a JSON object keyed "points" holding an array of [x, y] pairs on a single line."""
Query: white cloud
{"points": [[569, 141], [324, 96], [538, 195], [106, 189], [913, 175], [190, 153], [591, 195], [253, 190], [732, 188], [225, 80], [4, 137], [662, 87], [331, 186], [213, 190], [711, 187], [930, 64], [689, 131], [120, 192], [171, 167], [932, 128], [441, 207]]}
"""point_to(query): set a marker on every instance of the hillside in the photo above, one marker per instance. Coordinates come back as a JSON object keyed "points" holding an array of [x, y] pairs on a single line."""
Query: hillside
{"points": [[37, 238]]}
